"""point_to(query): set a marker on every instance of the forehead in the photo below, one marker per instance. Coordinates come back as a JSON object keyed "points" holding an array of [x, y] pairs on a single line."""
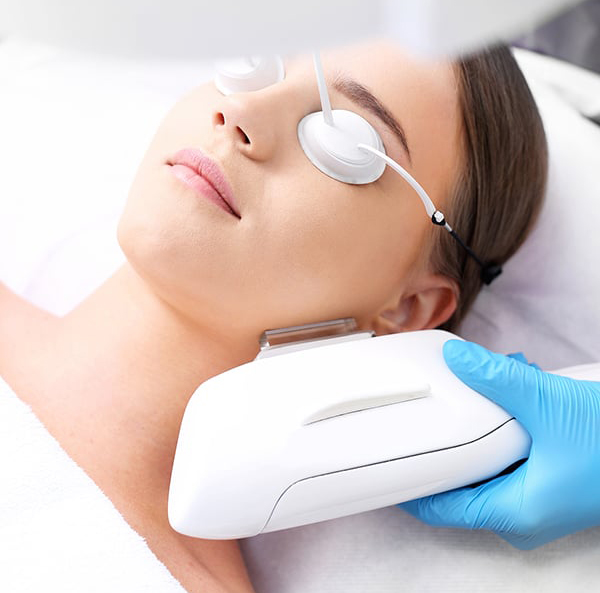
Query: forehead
{"points": [[398, 78], [422, 95]]}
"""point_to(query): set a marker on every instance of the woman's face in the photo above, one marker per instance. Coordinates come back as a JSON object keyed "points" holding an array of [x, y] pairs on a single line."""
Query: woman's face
{"points": [[306, 247]]}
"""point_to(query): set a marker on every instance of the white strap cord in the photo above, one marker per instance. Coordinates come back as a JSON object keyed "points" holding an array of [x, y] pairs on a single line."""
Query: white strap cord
{"points": [[323, 94], [436, 216]]}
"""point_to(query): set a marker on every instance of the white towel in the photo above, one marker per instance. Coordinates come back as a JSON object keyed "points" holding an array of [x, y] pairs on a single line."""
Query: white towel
{"points": [[59, 532], [388, 551]]}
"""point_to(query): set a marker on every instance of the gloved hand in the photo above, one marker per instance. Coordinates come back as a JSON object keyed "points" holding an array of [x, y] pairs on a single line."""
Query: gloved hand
{"points": [[557, 490]]}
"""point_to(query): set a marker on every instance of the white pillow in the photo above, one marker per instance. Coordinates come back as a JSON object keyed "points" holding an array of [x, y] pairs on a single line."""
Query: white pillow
{"points": [[74, 128]]}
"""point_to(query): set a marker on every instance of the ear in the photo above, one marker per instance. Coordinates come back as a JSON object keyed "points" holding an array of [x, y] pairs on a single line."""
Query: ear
{"points": [[424, 306]]}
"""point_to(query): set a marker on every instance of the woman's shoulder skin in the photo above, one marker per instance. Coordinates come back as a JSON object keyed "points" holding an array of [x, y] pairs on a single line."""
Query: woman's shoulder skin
{"points": [[32, 346], [22, 325]]}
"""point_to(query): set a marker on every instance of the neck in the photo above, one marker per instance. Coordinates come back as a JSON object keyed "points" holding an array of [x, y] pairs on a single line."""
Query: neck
{"points": [[134, 361], [117, 373]]}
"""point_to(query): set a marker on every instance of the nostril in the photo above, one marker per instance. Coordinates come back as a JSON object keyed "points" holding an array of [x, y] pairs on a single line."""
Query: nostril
{"points": [[243, 135], [219, 120]]}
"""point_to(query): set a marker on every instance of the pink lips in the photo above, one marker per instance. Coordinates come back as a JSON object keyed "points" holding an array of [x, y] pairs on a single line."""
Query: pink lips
{"points": [[203, 175]]}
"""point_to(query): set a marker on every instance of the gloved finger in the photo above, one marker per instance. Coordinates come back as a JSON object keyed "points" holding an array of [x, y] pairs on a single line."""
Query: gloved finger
{"points": [[488, 506], [440, 510], [510, 384], [456, 508]]}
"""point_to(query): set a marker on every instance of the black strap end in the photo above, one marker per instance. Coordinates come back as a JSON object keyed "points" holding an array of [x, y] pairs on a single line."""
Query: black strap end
{"points": [[490, 272]]}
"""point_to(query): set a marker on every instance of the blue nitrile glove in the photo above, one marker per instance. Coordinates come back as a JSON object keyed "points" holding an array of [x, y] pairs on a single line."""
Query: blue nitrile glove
{"points": [[557, 490]]}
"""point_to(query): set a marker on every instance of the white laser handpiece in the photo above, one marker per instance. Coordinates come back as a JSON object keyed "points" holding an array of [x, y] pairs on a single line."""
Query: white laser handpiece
{"points": [[331, 429]]}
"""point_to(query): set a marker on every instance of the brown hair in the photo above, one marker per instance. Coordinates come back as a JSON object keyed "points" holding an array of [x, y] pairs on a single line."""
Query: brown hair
{"points": [[500, 189]]}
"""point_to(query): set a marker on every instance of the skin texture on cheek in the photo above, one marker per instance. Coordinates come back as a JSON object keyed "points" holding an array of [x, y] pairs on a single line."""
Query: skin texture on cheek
{"points": [[346, 249], [301, 255]]}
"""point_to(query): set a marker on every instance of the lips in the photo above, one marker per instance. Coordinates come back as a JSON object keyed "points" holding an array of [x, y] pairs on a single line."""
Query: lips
{"points": [[198, 171]]}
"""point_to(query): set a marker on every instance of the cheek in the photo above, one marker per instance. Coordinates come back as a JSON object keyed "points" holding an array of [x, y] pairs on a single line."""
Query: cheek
{"points": [[305, 252], [150, 233], [179, 243], [330, 254]]}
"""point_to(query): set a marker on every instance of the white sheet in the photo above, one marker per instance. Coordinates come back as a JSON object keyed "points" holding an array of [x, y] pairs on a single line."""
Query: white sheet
{"points": [[60, 107], [58, 532]]}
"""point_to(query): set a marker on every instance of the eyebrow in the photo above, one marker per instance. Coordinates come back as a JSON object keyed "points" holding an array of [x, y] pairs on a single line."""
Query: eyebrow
{"points": [[361, 95]]}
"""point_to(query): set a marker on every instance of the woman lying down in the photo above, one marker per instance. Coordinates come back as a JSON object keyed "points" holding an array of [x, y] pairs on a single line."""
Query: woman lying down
{"points": [[203, 279]]}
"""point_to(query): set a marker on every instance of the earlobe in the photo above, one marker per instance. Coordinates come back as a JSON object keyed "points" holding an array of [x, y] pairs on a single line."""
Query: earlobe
{"points": [[425, 307]]}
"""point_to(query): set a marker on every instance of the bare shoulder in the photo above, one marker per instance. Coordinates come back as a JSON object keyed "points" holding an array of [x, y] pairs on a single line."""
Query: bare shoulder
{"points": [[21, 324], [15, 310]]}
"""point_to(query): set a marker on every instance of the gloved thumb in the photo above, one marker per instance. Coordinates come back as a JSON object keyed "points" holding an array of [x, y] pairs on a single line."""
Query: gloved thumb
{"points": [[510, 383]]}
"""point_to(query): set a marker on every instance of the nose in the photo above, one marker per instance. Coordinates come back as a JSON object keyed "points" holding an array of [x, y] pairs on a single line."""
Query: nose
{"points": [[254, 122]]}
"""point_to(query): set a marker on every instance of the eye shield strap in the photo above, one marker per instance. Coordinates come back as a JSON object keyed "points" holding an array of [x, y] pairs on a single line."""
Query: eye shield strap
{"points": [[489, 270]]}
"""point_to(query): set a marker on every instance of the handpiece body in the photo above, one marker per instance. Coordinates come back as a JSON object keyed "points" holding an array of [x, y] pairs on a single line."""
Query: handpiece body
{"points": [[331, 431]]}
